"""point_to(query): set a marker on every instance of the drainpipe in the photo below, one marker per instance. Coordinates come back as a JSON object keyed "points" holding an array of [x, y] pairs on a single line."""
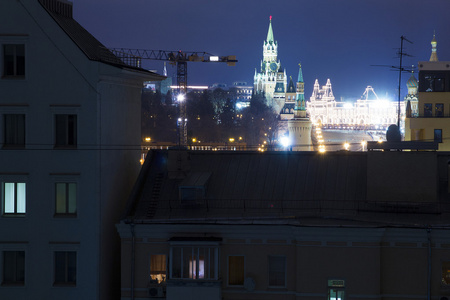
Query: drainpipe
{"points": [[132, 260], [429, 264]]}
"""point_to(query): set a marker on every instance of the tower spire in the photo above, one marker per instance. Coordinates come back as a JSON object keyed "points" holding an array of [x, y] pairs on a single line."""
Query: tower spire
{"points": [[270, 32], [433, 56]]}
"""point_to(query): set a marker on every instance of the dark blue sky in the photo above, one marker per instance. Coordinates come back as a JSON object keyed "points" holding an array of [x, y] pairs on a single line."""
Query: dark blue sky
{"points": [[336, 39]]}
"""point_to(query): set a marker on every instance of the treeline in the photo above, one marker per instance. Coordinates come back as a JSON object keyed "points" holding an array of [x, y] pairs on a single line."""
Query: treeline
{"points": [[212, 118]]}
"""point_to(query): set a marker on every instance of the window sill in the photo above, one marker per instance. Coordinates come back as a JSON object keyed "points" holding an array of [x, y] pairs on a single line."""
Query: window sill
{"points": [[65, 216], [13, 77], [13, 147], [65, 147], [64, 285], [14, 284], [12, 215]]}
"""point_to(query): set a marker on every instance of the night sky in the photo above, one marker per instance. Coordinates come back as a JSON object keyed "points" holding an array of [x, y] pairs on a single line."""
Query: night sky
{"points": [[336, 39]]}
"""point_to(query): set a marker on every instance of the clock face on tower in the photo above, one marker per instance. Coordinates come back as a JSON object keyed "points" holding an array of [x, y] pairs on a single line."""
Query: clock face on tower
{"points": [[273, 66]]}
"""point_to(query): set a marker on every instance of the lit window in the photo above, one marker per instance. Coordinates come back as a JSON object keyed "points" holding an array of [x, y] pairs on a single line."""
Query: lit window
{"points": [[14, 198], [13, 267], [194, 263], [446, 273], [13, 60], [66, 198], [65, 130], [336, 289], [236, 266], [14, 130], [158, 268], [65, 271], [277, 271]]}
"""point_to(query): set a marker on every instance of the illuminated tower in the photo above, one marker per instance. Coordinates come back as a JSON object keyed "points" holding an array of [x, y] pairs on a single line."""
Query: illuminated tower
{"points": [[270, 73], [411, 97], [300, 126], [433, 56]]}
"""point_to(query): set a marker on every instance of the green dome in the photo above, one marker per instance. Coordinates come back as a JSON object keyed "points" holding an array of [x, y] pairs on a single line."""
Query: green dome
{"points": [[412, 82]]}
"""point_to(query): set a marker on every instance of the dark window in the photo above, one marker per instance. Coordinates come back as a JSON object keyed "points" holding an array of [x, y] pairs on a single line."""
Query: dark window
{"points": [[434, 81], [428, 110], [439, 110], [14, 130], [65, 268], [445, 278], [277, 271], [438, 135], [13, 267], [336, 290], [14, 60], [65, 130], [236, 270]]}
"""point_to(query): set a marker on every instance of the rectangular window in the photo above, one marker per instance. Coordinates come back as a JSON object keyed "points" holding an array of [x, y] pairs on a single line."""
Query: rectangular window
{"points": [[158, 268], [65, 271], [428, 110], [438, 135], [65, 130], [14, 198], [277, 271], [446, 273], [194, 262], [13, 267], [14, 130], [66, 198], [439, 110], [336, 289], [13, 60], [236, 266]]}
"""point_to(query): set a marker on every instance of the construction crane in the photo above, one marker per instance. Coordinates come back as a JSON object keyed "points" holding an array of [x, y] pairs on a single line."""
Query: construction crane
{"points": [[179, 58]]}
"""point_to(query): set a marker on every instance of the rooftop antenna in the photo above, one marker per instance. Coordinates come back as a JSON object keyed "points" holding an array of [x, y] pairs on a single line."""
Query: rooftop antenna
{"points": [[400, 69]]}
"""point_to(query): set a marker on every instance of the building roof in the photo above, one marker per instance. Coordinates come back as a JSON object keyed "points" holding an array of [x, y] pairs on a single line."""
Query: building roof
{"points": [[270, 32], [61, 12], [291, 87], [285, 186], [412, 82]]}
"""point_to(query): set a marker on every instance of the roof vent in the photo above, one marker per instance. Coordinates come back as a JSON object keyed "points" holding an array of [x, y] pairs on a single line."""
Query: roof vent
{"points": [[61, 7]]}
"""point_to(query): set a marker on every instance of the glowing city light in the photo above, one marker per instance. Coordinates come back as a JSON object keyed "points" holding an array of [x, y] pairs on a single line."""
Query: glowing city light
{"points": [[180, 97], [148, 139], [285, 141], [346, 146]]}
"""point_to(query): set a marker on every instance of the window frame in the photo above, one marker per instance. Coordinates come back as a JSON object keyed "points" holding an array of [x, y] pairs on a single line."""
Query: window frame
{"points": [[13, 181], [66, 184], [269, 271], [16, 63], [158, 272], [67, 136], [229, 271], [196, 268], [66, 282], [437, 135], [3, 269]]}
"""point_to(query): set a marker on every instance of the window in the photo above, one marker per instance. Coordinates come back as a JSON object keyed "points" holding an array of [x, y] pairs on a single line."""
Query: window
{"points": [[13, 267], [194, 262], [66, 198], [14, 130], [236, 266], [13, 60], [277, 271], [336, 289], [65, 130], [158, 268], [446, 273], [65, 268], [439, 110], [428, 110], [438, 135], [14, 198]]}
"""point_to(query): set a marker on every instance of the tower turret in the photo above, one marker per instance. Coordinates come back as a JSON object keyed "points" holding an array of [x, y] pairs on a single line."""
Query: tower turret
{"points": [[433, 56], [300, 107]]}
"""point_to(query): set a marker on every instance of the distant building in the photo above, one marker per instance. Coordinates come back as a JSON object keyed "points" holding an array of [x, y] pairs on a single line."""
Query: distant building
{"points": [[288, 225], [242, 93], [271, 80], [369, 112], [432, 122], [69, 154]]}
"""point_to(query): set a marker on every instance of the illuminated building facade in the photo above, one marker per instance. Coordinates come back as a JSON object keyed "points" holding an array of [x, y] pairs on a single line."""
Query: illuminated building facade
{"points": [[364, 113], [432, 123], [271, 79]]}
